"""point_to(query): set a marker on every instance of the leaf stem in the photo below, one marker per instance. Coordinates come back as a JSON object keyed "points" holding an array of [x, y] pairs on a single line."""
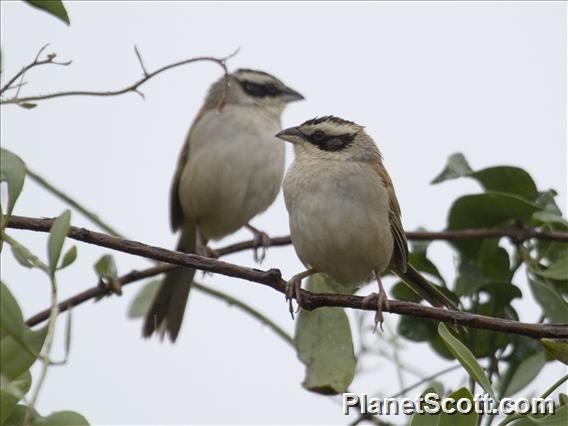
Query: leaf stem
{"points": [[248, 309], [46, 351], [72, 202]]}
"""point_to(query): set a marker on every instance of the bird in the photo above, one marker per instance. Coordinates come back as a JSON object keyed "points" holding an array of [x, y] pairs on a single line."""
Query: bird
{"points": [[230, 169], [345, 219]]}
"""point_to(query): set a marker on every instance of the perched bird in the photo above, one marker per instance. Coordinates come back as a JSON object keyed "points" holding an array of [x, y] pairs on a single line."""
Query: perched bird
{"points": [[230, 170], [344, 215]]}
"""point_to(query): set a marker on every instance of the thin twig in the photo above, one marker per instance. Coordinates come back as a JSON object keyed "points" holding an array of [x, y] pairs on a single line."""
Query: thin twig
{"points": [[36, 62], [93, 217], [139, 56], [243, 306], [131, 88], [45, 355], [273, 278]]}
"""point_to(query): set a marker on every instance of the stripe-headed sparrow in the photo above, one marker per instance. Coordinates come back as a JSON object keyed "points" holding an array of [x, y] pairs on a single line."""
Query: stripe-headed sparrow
{"points": [[344, 214], [230, 170]]}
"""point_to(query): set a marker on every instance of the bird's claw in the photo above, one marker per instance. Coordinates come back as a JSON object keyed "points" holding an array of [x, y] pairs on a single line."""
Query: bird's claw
{"points": [[260, 244], [382, 303], [206, 251], [293, 288]]}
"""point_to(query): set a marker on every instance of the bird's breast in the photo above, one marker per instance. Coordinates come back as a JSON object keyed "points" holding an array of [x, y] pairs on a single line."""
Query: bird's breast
{"points": [[234, 170], [339, 218]]}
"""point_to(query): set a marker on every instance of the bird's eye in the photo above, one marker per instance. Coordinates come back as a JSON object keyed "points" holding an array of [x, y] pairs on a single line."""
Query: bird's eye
{"points": [[318, 136], [271, 89], [254, 89]]}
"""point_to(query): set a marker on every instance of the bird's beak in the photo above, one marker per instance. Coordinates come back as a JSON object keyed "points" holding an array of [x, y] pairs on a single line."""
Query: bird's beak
{"points": [[290, 95], [292, 135]]}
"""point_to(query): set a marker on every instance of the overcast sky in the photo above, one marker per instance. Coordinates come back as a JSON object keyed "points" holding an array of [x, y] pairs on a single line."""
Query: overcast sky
{"points": [[427, 79]]}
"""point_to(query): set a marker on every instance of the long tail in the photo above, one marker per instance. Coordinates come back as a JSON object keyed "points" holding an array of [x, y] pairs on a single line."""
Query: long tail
{"points": [[165, 315], [425, 289]]}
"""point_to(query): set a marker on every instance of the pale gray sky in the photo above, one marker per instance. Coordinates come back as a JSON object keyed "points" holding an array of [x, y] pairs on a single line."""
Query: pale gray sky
{"points": [[427, 79]]}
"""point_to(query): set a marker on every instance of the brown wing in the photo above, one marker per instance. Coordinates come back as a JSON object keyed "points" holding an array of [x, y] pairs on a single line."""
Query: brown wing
{"points": [[176, 212], [400, 251]]}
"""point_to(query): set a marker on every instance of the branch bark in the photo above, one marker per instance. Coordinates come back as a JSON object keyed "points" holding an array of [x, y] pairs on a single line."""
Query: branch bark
{"points": [[273, 278]]}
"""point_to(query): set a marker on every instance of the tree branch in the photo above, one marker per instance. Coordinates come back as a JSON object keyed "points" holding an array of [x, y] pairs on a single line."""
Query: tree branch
{"points": [[131, 88], [273, 278]]}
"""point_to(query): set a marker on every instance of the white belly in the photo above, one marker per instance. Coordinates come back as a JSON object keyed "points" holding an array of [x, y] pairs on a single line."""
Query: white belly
{"points": [[339, 219], [234, 170]]}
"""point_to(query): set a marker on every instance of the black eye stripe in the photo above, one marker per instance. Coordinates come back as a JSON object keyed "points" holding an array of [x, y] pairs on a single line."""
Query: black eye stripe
{"points": [[330, 142], [260, 90]]}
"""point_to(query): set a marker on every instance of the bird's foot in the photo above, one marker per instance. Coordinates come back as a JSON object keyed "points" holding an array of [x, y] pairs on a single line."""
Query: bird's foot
{"points": [[293, 288], [206, 251], [260, 244], [382, 303]]}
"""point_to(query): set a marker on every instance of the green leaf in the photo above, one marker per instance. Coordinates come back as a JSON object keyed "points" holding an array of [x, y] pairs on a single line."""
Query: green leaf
{"points": [[465, 358], [507, 179], [457, 166], [141, 302], [545, 200], [556, 348], [57, 234], [22, 255], [325, 345], [416, 329], [494, 261], [107, 272], [500, 296], [524, 374], [69, 257], [401, 291], [427, 419], [553, 305], [11, 318], [441, 418], [13, 172], [106, 267], [549, 217], [421, 262], [16, 359], [470, 279], [53, 7], [559, 418], [62, 418], [486, 211], [18, 416], [556, 271], [11, 392], [456, 418], [26, 105]]}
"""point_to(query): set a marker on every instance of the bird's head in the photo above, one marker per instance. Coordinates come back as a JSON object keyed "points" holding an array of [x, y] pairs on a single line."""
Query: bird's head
{"points": [[256, 88], [331, 138]]}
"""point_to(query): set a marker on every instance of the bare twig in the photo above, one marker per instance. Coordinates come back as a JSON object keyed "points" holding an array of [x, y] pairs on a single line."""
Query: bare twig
{"points": [[36, 63], [134, 87], [139, 56], [273, 278]]}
